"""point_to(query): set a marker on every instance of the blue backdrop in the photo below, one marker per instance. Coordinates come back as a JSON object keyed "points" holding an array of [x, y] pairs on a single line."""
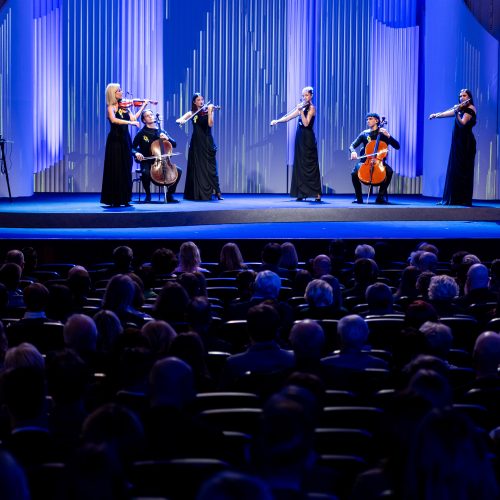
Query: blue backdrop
{"points": [[403, 59]]}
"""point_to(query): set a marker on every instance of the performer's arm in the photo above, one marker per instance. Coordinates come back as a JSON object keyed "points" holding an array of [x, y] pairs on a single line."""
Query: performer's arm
{"points": [[466, 117], [210, 108], [136, 148], [119, 121], [442, 114], [141, 109], [307, 119], [182, 120], [391, 141], [286, 118], [352, 148]]}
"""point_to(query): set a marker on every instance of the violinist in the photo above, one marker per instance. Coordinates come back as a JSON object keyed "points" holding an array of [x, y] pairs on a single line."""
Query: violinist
{"points": [[141, 148], [368, 135], [202, 178], [306, 180], [459, 182], [117, 173]]}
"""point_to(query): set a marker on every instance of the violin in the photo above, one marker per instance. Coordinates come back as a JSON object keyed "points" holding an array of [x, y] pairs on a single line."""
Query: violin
{"points": [[202, 111], [372, 171], [163, 171], [128, 103]]}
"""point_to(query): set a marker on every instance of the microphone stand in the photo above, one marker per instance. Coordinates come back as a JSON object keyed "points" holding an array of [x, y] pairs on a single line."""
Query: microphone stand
{"points": [[3, 165]]}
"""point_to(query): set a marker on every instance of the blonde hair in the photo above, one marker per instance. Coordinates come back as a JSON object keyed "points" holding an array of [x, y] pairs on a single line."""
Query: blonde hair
{"points": [[110, 93], [309, 90]]}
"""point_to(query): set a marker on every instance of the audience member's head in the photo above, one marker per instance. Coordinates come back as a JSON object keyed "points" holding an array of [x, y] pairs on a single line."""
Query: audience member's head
{"points": [[422, 284], [379, 298], [449, 460], [263, 323], [267, 285], [271, 254], [232, 485], [365, 271], [171, 383], [199, 315], [336, 288], [120, 293], [300, 281], [79, 281], [408, 284], [189, 257], [159, 335], [428, 247], [36, 297], [477, 277], [438, 339], [163, 261], [432, 387], [171, 303], [30, 259], [13, 479], [321, 265], [353, 332], [80, 333], [194, 284], [122, 258], [364, 252], [109, 329], [319, 293], [418, 312], [118, 428], [22, 356], [230, 258], [427, 262], [486, 354], [307, 340], [10, 275], [16, 257], [443, 288], [289, 258]]}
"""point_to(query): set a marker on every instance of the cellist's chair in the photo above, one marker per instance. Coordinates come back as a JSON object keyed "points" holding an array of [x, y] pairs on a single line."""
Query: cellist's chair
{"points": [[137, 180]]}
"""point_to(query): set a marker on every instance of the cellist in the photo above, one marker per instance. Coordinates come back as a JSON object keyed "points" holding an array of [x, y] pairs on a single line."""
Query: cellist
{"points": [[141, 147], [368, 135]]}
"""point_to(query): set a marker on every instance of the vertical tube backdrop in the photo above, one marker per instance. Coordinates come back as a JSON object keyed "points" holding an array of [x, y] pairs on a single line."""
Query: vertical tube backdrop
{"points": [[252, 57]]}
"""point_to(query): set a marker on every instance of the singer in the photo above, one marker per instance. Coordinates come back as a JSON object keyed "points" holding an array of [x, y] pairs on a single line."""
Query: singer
{"points": [[306, 181], [459, 183]]}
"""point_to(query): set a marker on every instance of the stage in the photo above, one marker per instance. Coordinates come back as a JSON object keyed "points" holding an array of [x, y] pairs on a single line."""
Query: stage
{"points": [[257, 216]]}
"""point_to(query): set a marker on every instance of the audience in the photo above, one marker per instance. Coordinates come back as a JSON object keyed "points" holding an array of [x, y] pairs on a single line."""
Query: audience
{"points": [[60, 403]]}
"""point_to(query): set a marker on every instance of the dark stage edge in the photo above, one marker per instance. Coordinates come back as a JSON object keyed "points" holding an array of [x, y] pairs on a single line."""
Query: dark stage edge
{"points": [[79, 211]]}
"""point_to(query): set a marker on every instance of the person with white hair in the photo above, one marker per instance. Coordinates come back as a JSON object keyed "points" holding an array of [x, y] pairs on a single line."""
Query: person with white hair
{"points": [[476, 286], [443, 292], [353, 333], [364, 251]]}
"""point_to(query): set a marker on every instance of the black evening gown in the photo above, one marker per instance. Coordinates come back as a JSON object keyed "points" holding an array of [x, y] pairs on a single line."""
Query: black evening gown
{"points": [[459, 183], [117, 174], [202, 179], [305, 176]]}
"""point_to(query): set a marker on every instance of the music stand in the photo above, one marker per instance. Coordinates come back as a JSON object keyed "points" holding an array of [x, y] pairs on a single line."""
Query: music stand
{"points": [[3, 165]]}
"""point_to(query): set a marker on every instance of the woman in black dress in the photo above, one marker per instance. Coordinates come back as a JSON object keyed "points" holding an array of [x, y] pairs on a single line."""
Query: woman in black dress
{"points": [[202, 178], [117, 173], [306, 180], [459, 183]]}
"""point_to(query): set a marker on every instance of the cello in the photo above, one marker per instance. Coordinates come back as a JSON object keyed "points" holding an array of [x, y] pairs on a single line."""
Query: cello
{"points": [[372, 171], [163, 171]]}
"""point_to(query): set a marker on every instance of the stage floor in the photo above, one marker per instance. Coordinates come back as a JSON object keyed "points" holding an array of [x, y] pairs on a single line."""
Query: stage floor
{"points": [[257, 216]]}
